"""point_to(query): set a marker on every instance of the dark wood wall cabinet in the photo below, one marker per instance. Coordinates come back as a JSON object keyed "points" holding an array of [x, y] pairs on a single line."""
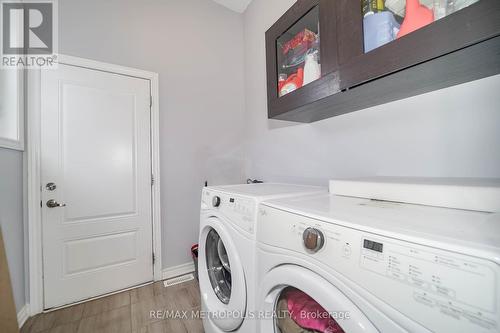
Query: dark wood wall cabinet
{"points": [[330, 57]]}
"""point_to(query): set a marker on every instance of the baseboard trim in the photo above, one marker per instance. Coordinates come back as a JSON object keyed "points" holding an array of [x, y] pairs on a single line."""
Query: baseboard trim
{"points": [[174, 271], [23, 315]]}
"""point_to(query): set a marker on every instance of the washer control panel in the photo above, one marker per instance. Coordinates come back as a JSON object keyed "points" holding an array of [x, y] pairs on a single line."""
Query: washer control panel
{"points": [[436, 277], [442, 290], [239, 211]]}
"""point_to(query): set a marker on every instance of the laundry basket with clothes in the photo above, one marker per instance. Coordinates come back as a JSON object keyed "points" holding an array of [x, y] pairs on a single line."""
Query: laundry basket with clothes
{"points": [[297, 312]]}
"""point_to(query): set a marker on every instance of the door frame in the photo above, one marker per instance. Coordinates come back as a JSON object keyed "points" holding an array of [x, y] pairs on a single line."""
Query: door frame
{"points": [[34, 218]]}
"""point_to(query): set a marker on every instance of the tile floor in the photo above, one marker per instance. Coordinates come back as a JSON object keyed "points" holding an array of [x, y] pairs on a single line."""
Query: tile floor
{"points": [[125, 312]]}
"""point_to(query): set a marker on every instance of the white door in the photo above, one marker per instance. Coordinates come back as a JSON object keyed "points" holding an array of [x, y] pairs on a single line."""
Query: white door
{"points": [[95, 134]]}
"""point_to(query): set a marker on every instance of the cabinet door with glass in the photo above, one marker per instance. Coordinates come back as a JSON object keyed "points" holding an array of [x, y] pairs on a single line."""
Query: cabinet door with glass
{"points": [[301, 54], [388, 20], [398, 34]]}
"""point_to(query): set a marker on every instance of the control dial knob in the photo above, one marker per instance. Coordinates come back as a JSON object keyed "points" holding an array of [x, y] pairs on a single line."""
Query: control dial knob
{"points": [[216, 201], [313, 239]]}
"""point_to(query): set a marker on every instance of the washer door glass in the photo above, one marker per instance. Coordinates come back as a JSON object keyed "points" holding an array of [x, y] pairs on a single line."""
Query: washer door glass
{"points": [[218, 266], [296, 311]]}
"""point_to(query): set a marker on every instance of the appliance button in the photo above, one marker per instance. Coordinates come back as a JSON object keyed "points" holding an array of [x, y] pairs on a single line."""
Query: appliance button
{"points": [[423, 298], [313, 239], [347, 250], [216, 201], [443, 291]]}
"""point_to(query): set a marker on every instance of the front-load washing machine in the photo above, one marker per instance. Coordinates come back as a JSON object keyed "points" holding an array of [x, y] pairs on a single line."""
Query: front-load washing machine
{"points": [[337, 263], [226, 261]]}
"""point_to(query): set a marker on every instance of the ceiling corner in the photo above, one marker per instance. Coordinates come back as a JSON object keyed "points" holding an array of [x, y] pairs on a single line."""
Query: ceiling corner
{"points": [[238, 6]]}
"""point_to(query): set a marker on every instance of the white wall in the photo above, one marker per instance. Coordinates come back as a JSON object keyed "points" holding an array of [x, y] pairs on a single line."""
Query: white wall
{"points": [[454, 132], [197, 48], [11, 219]]}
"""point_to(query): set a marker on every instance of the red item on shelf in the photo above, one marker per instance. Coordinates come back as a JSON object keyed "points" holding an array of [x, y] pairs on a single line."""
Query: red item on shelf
{"points": [[293, 82], [304, 37], [416, 16]]}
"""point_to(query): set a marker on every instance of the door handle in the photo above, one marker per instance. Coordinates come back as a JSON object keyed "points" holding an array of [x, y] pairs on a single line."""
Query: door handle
{"points": [[53, 204]]}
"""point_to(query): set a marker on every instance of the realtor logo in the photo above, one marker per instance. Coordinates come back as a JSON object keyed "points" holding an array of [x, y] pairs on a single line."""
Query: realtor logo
{"points": [[28, 33]]}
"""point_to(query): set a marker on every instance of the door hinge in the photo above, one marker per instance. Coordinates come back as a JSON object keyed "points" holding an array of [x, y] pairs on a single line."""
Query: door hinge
{"points": [[153, 258], [150, 101], [152, 180]]}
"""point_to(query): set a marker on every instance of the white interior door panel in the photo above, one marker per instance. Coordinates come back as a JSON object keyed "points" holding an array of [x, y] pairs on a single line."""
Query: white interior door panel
{"points": [[95, 148]]}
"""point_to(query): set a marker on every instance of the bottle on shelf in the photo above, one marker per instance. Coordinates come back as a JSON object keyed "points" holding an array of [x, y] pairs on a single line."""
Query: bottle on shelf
{"points": [[439, 7], [312, 68], [416, 17]]}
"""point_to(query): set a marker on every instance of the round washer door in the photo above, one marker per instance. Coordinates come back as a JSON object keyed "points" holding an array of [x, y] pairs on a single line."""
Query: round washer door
{"points": [[222, 280], [307, 287]]}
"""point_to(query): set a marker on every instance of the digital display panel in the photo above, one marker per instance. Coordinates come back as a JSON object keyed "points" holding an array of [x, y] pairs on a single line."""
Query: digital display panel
{"points": [[374, 246]]}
